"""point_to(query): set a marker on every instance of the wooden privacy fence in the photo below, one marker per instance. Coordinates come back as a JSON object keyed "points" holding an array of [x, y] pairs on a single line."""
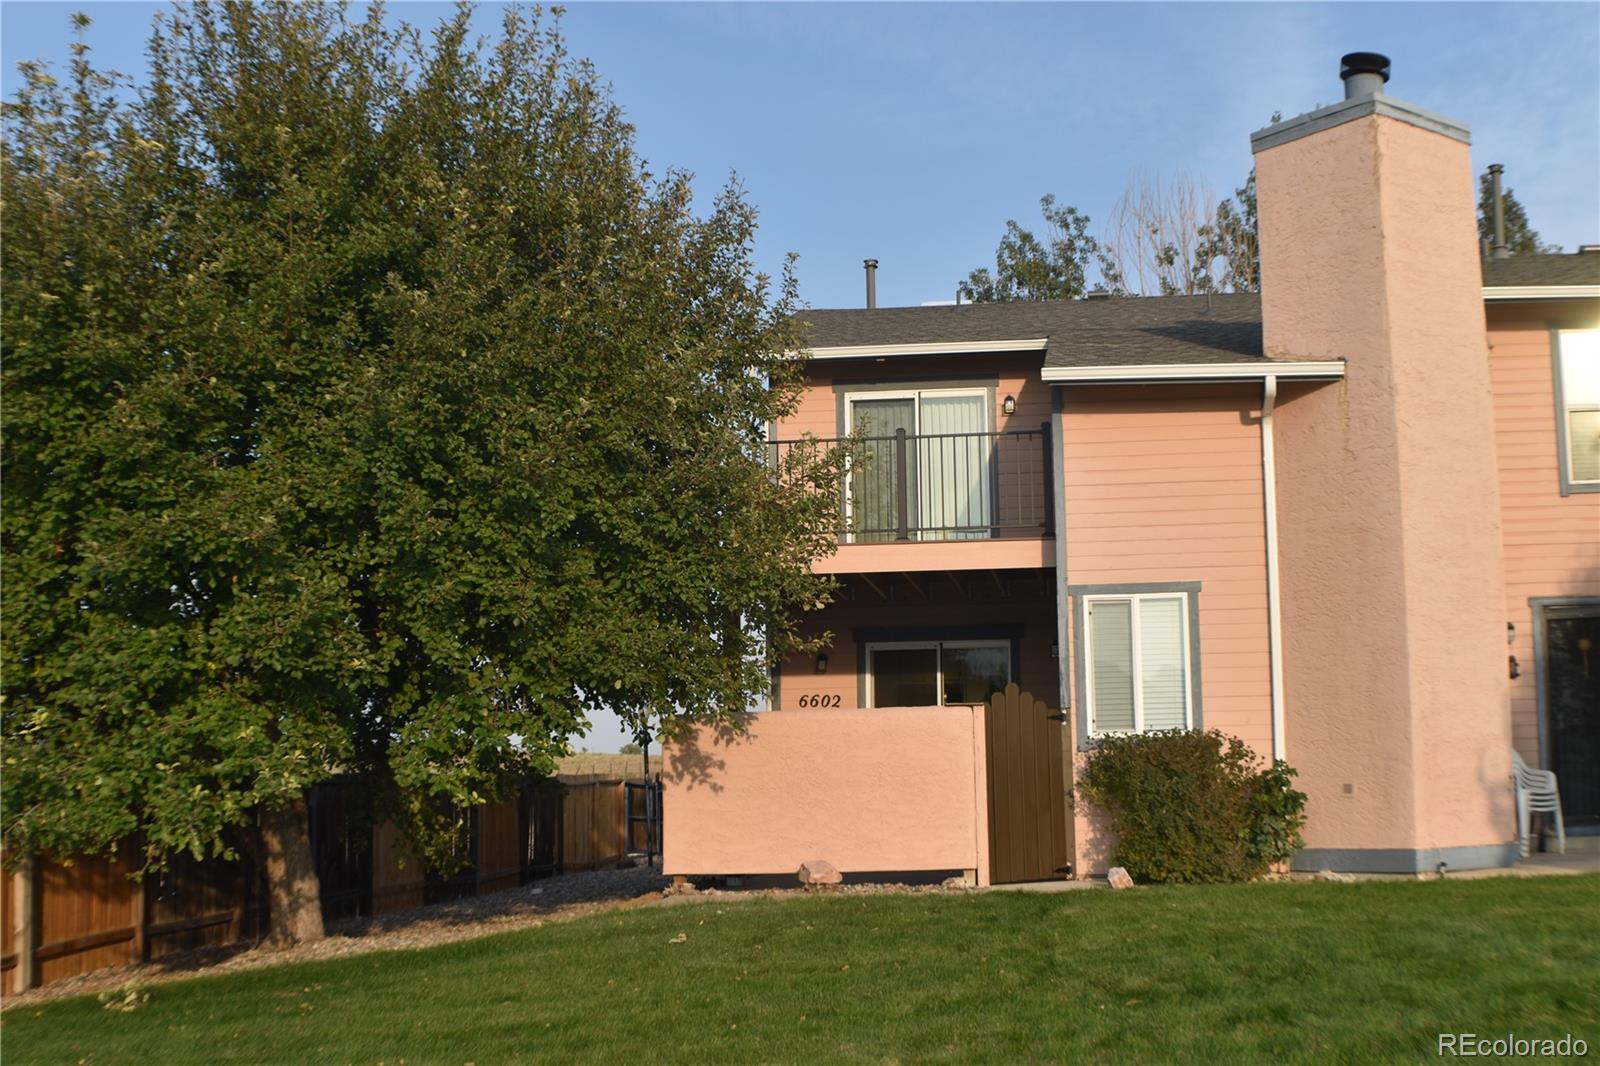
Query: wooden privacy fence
{"points": [[59, 918]]}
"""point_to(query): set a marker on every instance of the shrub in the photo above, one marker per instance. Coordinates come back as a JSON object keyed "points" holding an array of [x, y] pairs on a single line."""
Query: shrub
{"points": [[1193, 807]]}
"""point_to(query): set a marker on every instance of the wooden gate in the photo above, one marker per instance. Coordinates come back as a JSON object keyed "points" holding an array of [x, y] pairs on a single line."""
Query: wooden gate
{"points": [[1027, 790]]}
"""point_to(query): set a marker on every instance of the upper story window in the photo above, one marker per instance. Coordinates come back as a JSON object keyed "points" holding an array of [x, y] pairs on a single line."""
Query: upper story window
{"points": [[1577, 373]]}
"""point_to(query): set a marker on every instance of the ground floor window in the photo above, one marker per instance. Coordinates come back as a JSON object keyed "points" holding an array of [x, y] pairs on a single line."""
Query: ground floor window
{"points": [[1137, 657], [936, 673]]}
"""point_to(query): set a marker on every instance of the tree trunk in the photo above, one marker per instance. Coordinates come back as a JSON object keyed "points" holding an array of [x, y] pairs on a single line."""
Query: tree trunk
{"points": [[292, 887]]}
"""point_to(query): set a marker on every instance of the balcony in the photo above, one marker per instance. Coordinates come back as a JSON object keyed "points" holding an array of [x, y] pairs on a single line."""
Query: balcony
{"points": [[945, 488]]}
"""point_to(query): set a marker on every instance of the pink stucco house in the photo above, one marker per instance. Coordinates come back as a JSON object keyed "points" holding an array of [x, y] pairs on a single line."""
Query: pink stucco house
{"points": [[1354, 520]]}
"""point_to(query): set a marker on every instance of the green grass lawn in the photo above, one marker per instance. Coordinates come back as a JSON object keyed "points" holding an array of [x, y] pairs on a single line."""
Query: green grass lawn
{"points": [[1325, 972]]}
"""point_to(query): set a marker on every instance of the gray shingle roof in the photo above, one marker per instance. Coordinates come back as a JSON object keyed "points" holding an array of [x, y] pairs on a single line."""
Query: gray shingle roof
{"points": [[1581, 268], [1121, 331]]}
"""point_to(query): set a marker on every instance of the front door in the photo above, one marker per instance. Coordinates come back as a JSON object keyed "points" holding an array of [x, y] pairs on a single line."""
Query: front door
{"points": [[1569, 675]]}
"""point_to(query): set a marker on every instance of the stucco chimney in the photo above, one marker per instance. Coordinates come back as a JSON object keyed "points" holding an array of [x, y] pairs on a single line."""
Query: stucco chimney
{"points": [[1388, 509]]}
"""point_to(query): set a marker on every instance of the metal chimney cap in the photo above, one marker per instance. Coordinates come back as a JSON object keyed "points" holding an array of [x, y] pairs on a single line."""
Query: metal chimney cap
{"points": [[1353, 63]]}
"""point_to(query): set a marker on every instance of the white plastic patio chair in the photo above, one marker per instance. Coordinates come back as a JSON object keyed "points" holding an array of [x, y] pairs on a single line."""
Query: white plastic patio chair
{"points": [[1536, 791]]}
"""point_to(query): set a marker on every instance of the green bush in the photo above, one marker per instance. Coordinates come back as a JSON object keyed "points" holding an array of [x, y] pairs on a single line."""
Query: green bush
{"points": [[1192, 807]]}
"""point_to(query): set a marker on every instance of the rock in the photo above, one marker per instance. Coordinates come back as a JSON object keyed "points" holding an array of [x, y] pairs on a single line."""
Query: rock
{"points": [[1117, 877], [1334, 875], [819, 872]]}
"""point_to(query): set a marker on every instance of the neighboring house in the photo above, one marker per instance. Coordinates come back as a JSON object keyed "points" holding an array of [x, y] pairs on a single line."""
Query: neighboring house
{"points": [[1275, 515]]}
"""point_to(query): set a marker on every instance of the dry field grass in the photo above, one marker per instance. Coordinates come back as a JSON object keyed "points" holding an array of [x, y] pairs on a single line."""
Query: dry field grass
{"points": [[626, 767]]}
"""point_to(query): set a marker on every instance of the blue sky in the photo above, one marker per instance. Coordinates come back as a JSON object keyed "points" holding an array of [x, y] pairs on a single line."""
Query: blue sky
{"points": [[910, 132]]}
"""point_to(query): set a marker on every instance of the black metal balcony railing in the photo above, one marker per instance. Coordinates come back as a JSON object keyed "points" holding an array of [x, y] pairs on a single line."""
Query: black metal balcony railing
{"points": [[944, 486]]}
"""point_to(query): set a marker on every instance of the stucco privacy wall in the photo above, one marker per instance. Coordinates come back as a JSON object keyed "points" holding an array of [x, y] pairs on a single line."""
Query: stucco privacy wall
{"points": [[896, 789], [1163, 484], [1552, 542], [1389, 514]]}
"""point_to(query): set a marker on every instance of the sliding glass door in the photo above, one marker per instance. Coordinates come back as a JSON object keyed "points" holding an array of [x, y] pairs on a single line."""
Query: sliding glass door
{"points": [[936, 673], [949, 466]]}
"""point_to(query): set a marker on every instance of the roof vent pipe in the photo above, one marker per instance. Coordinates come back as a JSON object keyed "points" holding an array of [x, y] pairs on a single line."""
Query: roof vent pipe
{"points": [[1498, 249], [1364, 74], [872, 281]]}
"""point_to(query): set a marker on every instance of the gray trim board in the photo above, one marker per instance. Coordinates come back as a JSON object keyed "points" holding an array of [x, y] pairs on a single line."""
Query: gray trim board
{"points": [[1080, 678], [1058, 489], [1405, 860], [1563, 432], [1540, 605], [1348, 111]]}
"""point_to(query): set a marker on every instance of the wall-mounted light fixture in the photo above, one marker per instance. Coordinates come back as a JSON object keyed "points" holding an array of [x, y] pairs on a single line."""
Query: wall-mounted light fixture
{"points": [[1009, 405], [1515, 667], [822, 662], [1511, 632]]}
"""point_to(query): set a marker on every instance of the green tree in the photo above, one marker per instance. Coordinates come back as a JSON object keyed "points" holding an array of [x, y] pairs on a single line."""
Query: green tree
{"points": [[1521, 238], [632, 747], [371, 409], [1028, 268]]}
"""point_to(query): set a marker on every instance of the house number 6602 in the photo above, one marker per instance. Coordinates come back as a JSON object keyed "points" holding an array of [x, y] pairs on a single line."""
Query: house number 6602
{"points": [[819, 701]]}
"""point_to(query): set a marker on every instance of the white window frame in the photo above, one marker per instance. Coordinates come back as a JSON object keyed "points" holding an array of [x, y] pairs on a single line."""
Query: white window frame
{"points": [[915, 396], [938, 647], [1137, 666], [1564, 411]]}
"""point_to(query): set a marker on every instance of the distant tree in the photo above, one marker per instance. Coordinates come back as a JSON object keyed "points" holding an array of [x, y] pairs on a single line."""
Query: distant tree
{"points": [[1152, 241], [632, 747], [1521, 238], [1227, 256], [370, 409], [1028, 268]]}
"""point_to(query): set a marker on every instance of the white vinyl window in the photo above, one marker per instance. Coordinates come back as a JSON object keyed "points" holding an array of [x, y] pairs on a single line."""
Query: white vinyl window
{"points": [[1578, 390], [936, 673], [1136, 663]]}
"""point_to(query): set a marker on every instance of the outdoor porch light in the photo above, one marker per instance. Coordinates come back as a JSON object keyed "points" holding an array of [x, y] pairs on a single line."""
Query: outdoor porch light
{"points": [[822, 662], [1511, 632], [1009, 405]]}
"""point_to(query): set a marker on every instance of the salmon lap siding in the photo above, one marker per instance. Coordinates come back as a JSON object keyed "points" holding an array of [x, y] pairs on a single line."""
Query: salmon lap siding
{"points": [[1552, 542], [1164, 485]]}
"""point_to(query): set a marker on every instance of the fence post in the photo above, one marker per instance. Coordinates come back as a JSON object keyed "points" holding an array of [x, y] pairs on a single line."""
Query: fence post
{"points": [[25, 906], [1049, 482], [141, 918], [902, 496]]}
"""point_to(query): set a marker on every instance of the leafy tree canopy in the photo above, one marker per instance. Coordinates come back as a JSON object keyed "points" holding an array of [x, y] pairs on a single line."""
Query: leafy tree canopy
{"points": [[371, 408], [1028, 268]]}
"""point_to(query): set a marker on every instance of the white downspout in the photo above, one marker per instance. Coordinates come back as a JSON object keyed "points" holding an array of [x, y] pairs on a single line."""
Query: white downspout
{"points": [[1269, 491]]}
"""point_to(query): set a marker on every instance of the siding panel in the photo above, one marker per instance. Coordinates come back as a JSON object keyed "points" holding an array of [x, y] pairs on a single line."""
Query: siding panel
{"points": [[1552, 543]]}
